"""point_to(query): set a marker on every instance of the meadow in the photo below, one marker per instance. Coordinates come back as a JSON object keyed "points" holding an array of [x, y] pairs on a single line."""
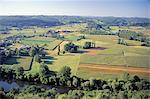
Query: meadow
{"points": [[19, 62]]}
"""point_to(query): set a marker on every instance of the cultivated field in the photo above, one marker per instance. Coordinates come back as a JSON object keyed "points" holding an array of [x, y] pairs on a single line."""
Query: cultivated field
{"points": [[108, 60]]}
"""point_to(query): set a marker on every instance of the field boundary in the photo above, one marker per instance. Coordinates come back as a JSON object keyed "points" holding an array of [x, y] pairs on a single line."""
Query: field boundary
{"points": [[57, 45], [30, 66]]}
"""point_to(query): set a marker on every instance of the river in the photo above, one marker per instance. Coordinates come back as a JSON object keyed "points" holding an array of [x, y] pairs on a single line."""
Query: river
{"points": [[13, 84]]}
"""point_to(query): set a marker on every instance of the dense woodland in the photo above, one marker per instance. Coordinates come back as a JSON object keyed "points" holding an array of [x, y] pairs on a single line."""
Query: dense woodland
{"points": [[127, 87], [21, 21]]}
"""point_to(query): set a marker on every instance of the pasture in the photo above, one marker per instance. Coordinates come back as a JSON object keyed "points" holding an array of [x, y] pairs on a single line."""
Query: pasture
{"points": [[57, 62], [37, 41], [19, 62]]}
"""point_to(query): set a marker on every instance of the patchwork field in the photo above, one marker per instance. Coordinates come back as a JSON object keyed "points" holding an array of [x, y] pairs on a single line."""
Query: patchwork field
{"points": [[108, 60], [117, 60]]}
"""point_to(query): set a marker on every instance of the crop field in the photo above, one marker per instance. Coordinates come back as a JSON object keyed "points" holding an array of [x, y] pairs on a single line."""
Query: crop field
{"points": [[57, 62], [19, 61], [71, 38], [111, 57], [37, 41], [104, 72], [103, 38], [73, 27], [103, 59], [30, 32], [92, 73], [54, 44], [107, 53]]}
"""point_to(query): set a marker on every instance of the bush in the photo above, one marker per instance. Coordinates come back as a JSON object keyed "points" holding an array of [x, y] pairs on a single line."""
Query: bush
{"points": [[88, 45], [70, 47]]}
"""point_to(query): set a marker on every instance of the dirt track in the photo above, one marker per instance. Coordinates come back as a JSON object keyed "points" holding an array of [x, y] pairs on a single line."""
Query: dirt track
{"points": [[115, 69]]}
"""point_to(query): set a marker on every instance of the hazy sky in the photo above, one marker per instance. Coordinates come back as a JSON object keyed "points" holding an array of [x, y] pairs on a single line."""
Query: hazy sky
{"points": [[126, 8]]}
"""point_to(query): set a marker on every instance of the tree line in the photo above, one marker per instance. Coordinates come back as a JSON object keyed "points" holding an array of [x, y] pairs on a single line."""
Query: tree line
{"points": [[79, 88], [134, 36]]}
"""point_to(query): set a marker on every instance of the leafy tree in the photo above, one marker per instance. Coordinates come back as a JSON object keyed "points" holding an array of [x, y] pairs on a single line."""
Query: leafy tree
{"points": [[88, 45], [37, 58], [32, 52], [70, 47], [122, 95], [65, 71], [122, 41], [58, 50], [75, 82], [19, 73], [43, 70]]}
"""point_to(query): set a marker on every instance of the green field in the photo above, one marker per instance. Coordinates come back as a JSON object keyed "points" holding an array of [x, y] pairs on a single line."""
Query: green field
{"points": [[57, 62], [37, 41], [53, 44], [19, 62], [72, 38], [113, 54], [87, 73]]}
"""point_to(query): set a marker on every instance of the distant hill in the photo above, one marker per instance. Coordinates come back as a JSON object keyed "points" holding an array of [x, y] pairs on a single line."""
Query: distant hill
{"points": [[21, 21]]}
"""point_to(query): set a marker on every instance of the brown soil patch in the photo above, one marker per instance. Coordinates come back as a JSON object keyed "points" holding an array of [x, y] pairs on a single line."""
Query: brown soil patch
{"points": [[115, 69], [93, 51]]}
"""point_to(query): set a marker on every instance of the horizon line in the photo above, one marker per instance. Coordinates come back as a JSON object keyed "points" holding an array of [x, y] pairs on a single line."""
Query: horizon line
{"points": [[79, 16]]}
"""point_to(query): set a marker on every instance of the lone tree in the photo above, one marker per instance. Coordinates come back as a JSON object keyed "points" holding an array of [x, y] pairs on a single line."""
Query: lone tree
{"points": [[70, 47], [88, 45], [122, 41]]}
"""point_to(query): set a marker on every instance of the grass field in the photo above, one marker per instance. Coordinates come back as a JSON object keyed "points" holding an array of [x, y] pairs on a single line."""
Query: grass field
{"points": [[19, 62], [87, 73], [71, 27], [35, 67], [37, 41], [57, 62], [53, 44], [116, 57], [72, 38]]}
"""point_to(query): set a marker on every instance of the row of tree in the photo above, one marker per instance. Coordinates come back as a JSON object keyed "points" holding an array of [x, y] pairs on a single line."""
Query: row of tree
{"points": [[124, 86], [135, 36]]}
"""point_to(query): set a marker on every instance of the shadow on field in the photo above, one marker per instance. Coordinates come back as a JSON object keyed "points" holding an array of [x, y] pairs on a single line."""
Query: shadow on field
{"points": [[82, 52], [11, 61], [48, 59]]}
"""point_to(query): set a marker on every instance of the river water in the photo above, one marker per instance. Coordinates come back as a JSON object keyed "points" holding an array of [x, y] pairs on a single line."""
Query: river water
{"points": [[12, 84]]}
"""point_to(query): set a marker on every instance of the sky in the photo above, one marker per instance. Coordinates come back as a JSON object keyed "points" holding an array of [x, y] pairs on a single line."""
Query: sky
{"points": [[117, 8]]}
